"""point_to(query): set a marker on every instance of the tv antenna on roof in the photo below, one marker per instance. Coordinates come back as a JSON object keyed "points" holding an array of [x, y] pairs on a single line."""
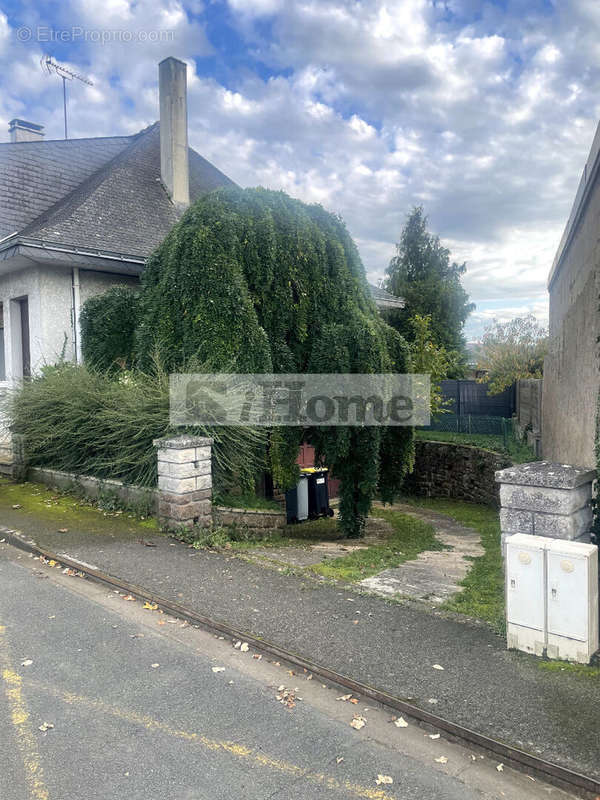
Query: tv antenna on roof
{"points": [[49, 64]]}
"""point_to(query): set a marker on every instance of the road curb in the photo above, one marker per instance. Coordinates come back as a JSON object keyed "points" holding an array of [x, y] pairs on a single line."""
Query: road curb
{"points": [[550, 772]]}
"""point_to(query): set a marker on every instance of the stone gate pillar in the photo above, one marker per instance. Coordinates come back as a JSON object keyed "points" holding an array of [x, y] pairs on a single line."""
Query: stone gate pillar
{"points": [[184, 481], [546, 499]]}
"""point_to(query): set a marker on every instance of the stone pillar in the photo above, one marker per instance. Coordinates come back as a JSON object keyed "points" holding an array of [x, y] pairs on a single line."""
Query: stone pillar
{"points": [[546, 499], [184, 481]]}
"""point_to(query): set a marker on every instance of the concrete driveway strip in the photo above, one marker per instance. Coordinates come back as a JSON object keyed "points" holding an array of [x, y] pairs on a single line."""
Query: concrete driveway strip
{"points": [[101, 698]]}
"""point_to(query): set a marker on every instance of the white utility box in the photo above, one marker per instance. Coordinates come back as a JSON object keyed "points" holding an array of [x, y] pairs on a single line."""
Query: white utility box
{"points": [[572, 600], [526, 592]]}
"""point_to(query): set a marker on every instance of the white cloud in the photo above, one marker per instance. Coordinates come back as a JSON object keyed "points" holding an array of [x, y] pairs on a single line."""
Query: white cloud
{"points": [[483, 114]]}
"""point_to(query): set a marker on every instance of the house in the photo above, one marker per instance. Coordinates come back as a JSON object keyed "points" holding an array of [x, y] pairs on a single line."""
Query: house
{"points": [[79, 216], [571, 369]]}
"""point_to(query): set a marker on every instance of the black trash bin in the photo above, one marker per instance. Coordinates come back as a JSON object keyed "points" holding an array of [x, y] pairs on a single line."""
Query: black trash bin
{"points": [[318, 492]]}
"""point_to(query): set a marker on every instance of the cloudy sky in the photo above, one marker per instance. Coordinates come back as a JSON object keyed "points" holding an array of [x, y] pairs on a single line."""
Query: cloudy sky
{"points": [[483, 112]]}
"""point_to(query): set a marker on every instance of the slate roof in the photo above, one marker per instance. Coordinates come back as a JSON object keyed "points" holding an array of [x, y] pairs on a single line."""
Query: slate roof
{"points": [[384, 299], [35, 175], [121, 205]]}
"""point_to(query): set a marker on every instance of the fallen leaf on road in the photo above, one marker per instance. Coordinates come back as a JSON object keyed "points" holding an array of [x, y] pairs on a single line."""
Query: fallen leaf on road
{"points": [[218, 669], [148, 544], [438, 666], [150, 606], [344, 697], [244, 647], [154, 666], [287, 697], [354, 701], [442, 760], [358, 722], [383, 779], [500, 767], [257, 656], [237, 645], [27, 663], [52, 563], [128, 597], [46, 726], [401, 723], [434, 735], [339, 759]]}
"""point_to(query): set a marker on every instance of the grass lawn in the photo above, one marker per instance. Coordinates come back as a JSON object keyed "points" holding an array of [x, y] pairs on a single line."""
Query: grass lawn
{"points": [[483, 593], [410, 537], [518, 452]]}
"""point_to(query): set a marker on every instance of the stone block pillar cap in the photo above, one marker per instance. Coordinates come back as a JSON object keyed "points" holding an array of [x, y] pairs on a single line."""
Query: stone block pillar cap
{"points": [[182, 442], [546, 474]]}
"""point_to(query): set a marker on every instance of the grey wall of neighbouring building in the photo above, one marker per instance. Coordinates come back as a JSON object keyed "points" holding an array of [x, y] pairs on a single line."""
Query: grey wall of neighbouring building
{"points": [[458, 471], [529, 403], [571, 370]]}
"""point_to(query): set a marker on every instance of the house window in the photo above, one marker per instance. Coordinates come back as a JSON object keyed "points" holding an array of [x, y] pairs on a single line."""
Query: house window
{"points": [[2, 361]]}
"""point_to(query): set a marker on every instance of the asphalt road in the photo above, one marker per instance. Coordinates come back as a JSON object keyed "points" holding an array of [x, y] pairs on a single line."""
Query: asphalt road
{"points": [[138, 710]]}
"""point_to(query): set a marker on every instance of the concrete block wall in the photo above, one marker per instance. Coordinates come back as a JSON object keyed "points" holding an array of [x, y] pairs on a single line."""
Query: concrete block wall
{"points": [[184, 481]]}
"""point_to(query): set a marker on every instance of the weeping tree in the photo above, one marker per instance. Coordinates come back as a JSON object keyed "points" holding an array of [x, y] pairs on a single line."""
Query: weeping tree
{"points": [[254, 281]]}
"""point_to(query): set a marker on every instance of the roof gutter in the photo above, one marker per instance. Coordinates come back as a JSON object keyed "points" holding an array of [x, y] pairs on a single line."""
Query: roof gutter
{"points": [[14, 240]]}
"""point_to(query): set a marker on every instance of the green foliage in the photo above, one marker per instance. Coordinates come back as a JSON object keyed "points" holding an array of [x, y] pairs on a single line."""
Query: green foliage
{"points": [[108, 323], [254, 281], [431, 359], [83, 421], [516, 449], [511, 351], [421, 272]]}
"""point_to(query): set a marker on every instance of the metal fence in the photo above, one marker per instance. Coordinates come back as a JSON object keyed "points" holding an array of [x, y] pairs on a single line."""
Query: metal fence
{"points": [[474, 424], [469, 398]]}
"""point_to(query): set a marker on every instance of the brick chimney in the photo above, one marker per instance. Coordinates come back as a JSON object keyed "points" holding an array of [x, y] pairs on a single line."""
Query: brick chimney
{"points": [[174, 162], [22, 131]]}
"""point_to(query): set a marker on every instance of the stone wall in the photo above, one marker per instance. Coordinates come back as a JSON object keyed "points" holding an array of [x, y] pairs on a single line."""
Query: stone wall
{"points": [[571, 373], [94, 488], [248, 518], [457, 471]]}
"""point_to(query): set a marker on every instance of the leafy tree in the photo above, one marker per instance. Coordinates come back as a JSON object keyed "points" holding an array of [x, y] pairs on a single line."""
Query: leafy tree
{"points": [[254, 281], [421, 272], [428, 358], [108, 323], [512, 350]]}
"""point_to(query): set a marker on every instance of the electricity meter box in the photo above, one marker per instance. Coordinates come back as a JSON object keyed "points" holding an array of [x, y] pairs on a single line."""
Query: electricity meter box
{"points": [[572, 600], [552, 597], [526, 592]]}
